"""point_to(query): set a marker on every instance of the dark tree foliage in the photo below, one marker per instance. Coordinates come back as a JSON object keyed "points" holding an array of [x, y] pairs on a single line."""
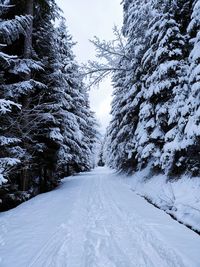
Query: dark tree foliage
{"points": [[47, 129]]}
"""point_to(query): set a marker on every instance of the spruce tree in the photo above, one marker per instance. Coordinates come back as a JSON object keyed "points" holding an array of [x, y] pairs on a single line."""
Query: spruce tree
{"points": [[163, 70], [47, 128], [13, 28], [128, 98], [155, 108], [191, 112]]}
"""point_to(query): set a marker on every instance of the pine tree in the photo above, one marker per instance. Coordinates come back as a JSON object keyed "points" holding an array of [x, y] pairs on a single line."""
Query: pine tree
{"points": [[47, 128], [10, 30], [151, 108], [128, 98], [163, 69], [78, 124], [191, 112], [175, 154]]}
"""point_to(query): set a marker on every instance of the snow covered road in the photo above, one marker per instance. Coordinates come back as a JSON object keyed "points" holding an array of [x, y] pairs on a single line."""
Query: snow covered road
{"points": [[94, 220]]}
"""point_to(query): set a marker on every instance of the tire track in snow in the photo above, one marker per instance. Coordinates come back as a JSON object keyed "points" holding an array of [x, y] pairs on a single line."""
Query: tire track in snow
{"points": [[50, 248], [101, 248], [58, 250], [143, 236], [104, 235], [123, 237], [3, 231], [99, 228]]}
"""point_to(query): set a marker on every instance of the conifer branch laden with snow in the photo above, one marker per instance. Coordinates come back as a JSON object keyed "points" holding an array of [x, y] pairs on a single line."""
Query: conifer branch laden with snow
{"points": [[155, 109], [47, 129], [108, 53]]}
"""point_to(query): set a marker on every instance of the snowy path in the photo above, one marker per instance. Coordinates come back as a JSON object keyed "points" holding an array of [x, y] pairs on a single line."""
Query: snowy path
{"points": [[94, 220]]}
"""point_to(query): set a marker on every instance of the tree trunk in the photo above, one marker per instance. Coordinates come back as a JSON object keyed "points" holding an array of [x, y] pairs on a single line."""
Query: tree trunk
{"points": [[28, 38], [26, 98]]}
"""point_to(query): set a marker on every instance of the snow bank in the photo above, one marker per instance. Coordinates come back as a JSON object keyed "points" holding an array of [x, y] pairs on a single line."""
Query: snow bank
{"points": [[179, 198]]}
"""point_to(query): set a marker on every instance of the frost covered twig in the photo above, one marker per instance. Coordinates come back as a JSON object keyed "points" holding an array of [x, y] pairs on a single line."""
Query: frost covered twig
{"points": [[109, 55]]}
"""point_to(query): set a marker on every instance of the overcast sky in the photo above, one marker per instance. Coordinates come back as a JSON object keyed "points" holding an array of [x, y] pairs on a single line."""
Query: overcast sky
{"points": [[85, 19]]}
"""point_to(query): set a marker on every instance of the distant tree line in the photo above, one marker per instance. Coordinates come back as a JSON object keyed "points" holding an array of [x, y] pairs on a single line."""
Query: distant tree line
{"points": [[47, 130]]}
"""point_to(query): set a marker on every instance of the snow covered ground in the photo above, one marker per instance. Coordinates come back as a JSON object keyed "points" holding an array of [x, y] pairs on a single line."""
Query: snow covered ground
{"points": [[180, 198], [94, 220]]}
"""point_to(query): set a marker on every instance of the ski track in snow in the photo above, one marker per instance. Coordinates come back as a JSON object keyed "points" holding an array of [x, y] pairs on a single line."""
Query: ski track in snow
{"points": [[93, 220]]}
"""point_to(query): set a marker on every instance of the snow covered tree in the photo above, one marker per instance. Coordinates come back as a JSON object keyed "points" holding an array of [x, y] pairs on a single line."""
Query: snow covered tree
{"points": [[47, 128], [181, 147], [12, 28], [126, 102], [75, 125], [190, 134], [163, 67], [117, 116], [115, 62], [155, 108]]}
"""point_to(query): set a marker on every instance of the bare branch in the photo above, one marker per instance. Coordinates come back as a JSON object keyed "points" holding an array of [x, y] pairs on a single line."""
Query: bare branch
{"points": [[109, 54]]}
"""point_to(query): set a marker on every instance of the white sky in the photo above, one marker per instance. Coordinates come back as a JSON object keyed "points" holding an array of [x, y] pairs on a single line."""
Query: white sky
{"points": [[85, 19]]}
